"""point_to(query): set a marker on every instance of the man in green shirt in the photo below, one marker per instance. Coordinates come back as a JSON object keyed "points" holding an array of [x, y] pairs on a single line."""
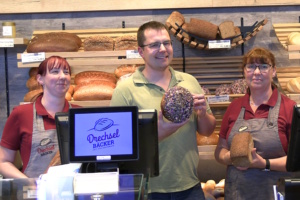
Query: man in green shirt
{"points": [[178, 153]]}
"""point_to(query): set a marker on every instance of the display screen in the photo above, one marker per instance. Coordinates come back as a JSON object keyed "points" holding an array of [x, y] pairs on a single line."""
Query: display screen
{"points": [[103, 134]]}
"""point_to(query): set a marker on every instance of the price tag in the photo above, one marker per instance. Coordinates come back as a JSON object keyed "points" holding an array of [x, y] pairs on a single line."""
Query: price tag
{"points": [[217, 99], [219, 44], [33, 57], [6, 42], [132, 54], [7, 31]]}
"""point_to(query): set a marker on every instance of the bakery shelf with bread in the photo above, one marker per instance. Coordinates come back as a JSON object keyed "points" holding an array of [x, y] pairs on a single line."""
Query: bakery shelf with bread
{"points": [[283, 30], [198, 32]]}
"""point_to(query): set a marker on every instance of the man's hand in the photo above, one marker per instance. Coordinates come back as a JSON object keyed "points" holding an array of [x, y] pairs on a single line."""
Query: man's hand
{"points": [[167, 128]]}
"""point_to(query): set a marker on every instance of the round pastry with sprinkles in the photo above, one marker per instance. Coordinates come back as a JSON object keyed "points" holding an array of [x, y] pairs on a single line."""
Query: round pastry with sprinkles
{"points": [[177, 104]]}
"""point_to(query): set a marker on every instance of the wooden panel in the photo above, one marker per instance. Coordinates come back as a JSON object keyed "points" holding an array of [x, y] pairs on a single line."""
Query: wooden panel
{"points": [[44, 6], [283, 30]]}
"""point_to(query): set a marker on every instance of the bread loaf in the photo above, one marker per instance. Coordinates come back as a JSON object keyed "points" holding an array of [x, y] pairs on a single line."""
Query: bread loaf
{"points": [[226, 30], [89, 76], [91, 92], [203, 29], [32, 95], [54, 42], [98, 43], [293, 85], [185, 34], [204, 140], [177, 104], [71, 89], [33, 71], [237, 32], [33, 84], [93, 83], [175, 18], [240, 149], [125, 69], [293, 38], [126, 42]]}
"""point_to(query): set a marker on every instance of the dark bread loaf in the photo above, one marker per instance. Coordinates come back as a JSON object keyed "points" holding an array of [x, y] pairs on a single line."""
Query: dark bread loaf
{"points": [[54, 42], [227, 30], [177, 104], [202, 29], [98, 43], [90, 76], [240, 149], [126, 42]]}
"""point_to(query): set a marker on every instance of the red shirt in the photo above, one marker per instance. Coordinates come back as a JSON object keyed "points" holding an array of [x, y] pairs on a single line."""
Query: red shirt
{"points": [[17, 132], [284, 118]]}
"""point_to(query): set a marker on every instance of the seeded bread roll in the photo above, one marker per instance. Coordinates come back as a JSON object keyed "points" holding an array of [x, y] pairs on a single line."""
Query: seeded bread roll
{"points": [[98, 43], [126, 42], [89, 76], [240, 149], [177, 104]]}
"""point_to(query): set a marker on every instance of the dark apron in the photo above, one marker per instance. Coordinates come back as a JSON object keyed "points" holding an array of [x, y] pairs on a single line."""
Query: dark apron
{"points": [[255, 183]]}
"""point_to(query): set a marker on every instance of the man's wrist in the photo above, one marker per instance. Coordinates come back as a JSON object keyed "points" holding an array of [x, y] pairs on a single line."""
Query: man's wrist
{"points": [[268, 166]]}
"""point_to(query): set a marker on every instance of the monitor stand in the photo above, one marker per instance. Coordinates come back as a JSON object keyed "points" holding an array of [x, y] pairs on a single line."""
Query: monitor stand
{"points": [[289, 188], [95, 167]]}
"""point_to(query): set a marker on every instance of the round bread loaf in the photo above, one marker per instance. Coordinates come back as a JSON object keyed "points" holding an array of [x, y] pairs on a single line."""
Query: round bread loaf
{"points": [[125, 69], [71, 89], [239, 86], [205, 90], [33, 84], [293, 85], [33, 71], [90, 76], [32, 95], [68, 96], [204, 140], [223, 89], [293, 38], [177, 104]]}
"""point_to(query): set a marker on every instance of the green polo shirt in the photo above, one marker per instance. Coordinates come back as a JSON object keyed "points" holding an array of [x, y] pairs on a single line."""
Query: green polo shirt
{"points": [[178, 153]]}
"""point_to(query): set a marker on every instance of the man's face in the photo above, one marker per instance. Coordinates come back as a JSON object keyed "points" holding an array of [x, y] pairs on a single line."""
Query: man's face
{"points": [[158, 52]]}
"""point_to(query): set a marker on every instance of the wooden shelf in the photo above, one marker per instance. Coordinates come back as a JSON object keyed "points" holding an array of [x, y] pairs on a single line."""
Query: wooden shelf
{"points": [[283, 30]]}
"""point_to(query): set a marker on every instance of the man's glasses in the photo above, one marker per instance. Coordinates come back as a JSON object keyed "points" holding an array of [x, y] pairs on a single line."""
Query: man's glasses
{"points": [[262, 67], [156, 45]]}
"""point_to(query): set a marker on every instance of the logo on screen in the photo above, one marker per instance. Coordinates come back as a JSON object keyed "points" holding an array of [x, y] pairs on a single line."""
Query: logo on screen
{"points": [[107, 136]]}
